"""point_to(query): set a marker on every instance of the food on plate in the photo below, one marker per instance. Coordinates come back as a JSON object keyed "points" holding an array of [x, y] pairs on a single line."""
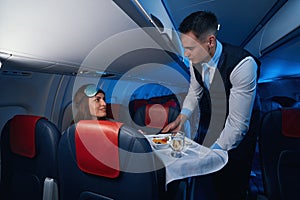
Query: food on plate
{"points": [[161, 140]]}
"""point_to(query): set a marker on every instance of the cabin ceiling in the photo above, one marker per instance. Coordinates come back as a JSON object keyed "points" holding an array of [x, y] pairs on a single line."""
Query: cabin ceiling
{"points": [[58, 31], [65, 33], [67, 37]]}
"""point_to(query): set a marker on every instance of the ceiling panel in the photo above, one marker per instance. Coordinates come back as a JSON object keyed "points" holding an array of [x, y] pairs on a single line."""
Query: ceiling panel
{"points": [[237, 18]]}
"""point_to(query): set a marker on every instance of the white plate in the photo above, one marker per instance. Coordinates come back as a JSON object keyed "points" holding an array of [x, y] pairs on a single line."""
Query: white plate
{"points": [[160, 145]]}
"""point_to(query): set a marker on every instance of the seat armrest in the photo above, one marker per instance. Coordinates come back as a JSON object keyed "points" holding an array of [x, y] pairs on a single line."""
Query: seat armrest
{"points": [[50, 189]]}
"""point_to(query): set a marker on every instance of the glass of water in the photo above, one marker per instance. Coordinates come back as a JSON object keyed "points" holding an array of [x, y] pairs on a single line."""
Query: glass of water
{"points": [[177, 144]]}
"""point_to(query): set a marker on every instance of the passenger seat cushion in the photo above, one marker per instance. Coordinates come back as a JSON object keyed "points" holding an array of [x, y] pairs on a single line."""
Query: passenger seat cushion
{"points": [[97, 149], [291, 122], [22, 135]]}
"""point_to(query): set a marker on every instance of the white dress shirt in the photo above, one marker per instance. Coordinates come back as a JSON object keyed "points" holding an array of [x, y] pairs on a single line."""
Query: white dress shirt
{"points": [[207, 74], [241, 100]]}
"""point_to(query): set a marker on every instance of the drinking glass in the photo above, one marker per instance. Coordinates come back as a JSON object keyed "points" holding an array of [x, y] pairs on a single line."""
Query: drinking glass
{"points": [[177, 144]]}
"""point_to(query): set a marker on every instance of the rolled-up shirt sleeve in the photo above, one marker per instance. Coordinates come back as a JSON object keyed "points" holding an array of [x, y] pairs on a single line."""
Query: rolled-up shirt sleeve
{"points": [[241, 100]]}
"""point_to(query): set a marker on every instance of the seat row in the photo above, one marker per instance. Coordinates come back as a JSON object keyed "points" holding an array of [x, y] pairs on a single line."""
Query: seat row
{"points": [[90, 160], [279, 148]]}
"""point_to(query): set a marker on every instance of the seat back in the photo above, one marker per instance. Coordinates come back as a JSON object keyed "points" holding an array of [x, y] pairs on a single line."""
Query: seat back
{"points": [[289, 174], [152, 118], [28, 150], [280, 131], [107, 160]]}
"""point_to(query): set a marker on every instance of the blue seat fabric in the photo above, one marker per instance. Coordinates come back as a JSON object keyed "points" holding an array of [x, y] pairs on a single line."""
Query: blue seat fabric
{"points": [[76, 184], [23, 177]]}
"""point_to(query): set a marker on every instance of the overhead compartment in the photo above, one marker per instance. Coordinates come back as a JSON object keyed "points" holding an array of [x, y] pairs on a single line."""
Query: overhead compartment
{"points": [[153, 14], [65, 34], [281, 28]]}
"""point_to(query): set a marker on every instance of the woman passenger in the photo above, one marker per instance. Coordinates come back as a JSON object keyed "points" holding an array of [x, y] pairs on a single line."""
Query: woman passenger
{"points": [[90, 103]]}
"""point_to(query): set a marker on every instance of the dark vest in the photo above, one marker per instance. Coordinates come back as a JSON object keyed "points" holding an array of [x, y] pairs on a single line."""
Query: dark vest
{"points": [[230, 57]]}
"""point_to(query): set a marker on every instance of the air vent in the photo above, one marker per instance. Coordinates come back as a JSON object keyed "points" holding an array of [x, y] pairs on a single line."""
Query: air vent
{"points": [[15, 73], [96, 74]]}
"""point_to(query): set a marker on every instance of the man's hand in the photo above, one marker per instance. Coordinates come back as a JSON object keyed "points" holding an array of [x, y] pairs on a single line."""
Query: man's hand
{"points": [[175, 125]]}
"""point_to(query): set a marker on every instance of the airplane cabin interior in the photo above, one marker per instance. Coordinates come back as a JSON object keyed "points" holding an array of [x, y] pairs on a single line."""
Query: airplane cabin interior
{"points": [[131, 49]]}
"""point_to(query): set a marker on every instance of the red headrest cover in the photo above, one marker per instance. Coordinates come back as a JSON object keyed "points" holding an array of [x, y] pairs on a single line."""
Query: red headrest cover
{"points": [[97, 147], [156, 115], [291, 122], [171, 103], [22, 135]]}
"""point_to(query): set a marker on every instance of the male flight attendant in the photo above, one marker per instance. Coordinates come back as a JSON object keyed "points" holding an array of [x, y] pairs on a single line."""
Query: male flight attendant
{"points": [[239, 72]]}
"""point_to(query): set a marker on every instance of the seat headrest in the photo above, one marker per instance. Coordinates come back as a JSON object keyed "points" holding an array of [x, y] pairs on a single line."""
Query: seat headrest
{"points": [[156, 115], [96, 143], [22, 135], [171, 103], [290, 122]]}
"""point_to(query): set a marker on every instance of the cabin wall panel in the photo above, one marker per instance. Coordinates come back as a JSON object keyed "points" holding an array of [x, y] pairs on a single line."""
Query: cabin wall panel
{"points": [[32, 93]]}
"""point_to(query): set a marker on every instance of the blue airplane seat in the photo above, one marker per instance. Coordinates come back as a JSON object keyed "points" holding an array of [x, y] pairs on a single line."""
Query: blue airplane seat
{"points": [[289, 174], [108, 160], [152, 118], [280, 131], [29, 163]]}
